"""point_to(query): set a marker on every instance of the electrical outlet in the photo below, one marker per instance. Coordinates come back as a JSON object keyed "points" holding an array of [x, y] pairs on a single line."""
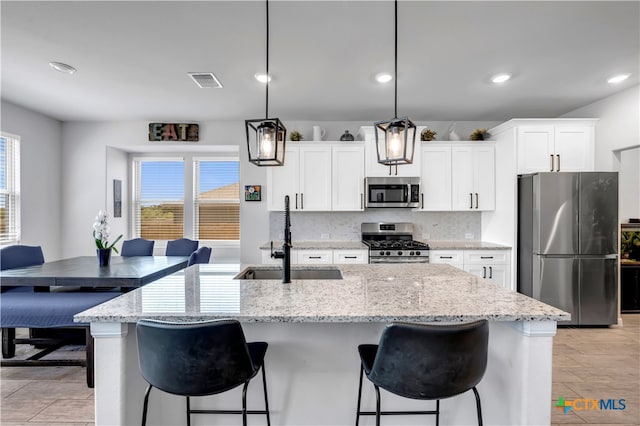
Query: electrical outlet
{"points": [[468, 236], [426, 236], [325, 236]]}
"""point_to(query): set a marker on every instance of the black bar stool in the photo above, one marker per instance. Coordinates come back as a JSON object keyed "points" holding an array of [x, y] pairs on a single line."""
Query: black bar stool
{"points": [[199, 359], [424, 361]]}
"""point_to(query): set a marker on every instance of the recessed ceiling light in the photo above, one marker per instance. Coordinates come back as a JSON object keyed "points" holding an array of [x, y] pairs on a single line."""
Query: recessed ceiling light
{"points": [[618, 78], [384, 77], [500, 78], [59, 66], [262, 78]]}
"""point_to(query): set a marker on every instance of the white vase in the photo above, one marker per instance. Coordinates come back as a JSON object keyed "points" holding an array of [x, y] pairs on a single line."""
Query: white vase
{"points": [[453, 136]]}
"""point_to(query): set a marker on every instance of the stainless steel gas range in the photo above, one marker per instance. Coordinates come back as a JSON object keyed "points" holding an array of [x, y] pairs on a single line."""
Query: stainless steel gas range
{"points": [[393, 243]]}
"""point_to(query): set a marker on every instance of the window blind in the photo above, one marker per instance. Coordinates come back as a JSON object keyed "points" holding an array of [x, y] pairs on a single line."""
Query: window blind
{"points": [[158, 205], [217, 200], [9, 189]]}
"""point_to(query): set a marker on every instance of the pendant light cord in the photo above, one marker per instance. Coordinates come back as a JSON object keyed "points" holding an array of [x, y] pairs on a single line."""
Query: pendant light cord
{"points": [[395, 72], [267, 97]]}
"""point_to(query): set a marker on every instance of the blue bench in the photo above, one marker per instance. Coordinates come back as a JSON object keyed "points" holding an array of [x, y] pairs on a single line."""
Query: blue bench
{"points": [[42, 310]]}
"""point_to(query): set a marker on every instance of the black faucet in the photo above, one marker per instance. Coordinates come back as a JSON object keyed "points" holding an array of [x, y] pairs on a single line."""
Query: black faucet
{"points": [[285, 254]]}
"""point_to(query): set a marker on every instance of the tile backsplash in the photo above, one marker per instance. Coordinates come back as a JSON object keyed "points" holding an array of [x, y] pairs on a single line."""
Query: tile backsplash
{"points": [[345, 226]]}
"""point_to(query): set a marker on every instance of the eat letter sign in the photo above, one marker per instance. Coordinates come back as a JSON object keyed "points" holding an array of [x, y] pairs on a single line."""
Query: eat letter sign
{"points": [[173, 132]]}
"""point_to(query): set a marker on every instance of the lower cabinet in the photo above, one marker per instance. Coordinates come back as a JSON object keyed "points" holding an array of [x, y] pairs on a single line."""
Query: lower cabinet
{"points": [[493, 265], [320, 257]]}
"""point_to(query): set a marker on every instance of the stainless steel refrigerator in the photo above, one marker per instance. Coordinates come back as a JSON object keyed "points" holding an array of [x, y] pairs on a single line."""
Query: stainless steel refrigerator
{"points": [[568, 243]]}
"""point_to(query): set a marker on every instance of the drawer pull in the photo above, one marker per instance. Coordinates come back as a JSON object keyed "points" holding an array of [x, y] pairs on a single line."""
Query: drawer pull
{"points": [[486, 257], [446, 257], [351, 257], [315, 257]]}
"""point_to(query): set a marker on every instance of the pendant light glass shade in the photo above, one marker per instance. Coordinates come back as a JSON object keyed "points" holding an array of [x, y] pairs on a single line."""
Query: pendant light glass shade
{"points": [[266, 136], [266, 141], [395, 141], [395, 138]]}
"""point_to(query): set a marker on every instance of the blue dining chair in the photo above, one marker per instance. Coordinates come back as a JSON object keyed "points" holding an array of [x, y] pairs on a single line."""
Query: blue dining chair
{"points": [[202, 255], [137, 247], [19, 256], [181, 247]]}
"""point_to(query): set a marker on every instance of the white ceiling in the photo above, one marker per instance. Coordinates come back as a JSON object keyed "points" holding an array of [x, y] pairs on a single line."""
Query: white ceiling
{"points": [[133, 58]]}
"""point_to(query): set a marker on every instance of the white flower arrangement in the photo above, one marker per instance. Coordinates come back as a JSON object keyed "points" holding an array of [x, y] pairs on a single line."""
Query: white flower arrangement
{"points": [[101, 232]]}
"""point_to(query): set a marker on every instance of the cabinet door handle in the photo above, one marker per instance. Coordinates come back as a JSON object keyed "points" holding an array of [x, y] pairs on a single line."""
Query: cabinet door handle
{"points": [[390, 170], [490, 272], [551, 156], [476, 200], [422, 197], [484, 272], [446, 257], [296, 201], [470, 200], [301, 201], [558, 157], [486, 257], [350, 257], [396, 169], [361, 201]]}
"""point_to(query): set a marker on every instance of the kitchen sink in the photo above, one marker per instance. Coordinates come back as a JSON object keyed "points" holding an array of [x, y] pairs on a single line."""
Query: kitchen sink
{"points": [[296, 274]]}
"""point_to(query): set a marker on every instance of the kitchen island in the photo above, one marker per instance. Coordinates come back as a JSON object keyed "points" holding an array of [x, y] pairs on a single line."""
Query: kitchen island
{"points": [[314, 327]]}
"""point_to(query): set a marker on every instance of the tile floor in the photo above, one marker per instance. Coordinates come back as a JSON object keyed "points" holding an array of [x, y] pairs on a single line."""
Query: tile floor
{"points": [[591, 363]]}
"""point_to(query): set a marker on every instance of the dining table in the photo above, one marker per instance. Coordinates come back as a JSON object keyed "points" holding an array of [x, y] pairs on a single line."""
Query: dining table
{"points": [[85, 271]]}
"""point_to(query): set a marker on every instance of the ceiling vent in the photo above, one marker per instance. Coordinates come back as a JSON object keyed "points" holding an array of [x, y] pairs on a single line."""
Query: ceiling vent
{"points": [[205, 80]]}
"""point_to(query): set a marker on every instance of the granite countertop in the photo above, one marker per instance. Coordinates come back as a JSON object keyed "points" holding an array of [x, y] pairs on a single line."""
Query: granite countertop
{"points": [[465, 245], [368, 293], [319, 245]]}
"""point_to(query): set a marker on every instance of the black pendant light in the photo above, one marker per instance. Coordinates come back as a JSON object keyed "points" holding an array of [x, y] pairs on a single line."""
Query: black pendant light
{"points": [[266, 136], [395, 138]]}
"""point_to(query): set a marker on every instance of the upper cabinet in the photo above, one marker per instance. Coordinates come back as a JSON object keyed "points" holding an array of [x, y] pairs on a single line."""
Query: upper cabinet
{"points": [[373, 168], [560, 145], [318, 177], [458, 176]]}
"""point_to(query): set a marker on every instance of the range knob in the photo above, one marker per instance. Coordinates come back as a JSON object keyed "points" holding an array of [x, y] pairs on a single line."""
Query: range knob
{"points": [[381, 253], [399, 253], [417, 253], [411, 254], [388, 253]]}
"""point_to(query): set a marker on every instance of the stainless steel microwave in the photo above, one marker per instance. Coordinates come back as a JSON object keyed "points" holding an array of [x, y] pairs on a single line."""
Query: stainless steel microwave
{"points": [[392, 192]]}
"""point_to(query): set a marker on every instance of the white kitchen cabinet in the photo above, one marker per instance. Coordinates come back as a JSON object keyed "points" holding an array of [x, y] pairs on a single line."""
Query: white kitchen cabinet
{"points": [[350, 256], [435, 177], [373, 168], [315, 257], [489, 264], [305, 178], [555, 147], [268, 260], [347, 182], [449, 257], [473, 177]]}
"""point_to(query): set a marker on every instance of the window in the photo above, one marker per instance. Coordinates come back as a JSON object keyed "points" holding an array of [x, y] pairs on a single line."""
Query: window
{"points": [[158, 204], [196, 198], [9, 189], [217, 200]]}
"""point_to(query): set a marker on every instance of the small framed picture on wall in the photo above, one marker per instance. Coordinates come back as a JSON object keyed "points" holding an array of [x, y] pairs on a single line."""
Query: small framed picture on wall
{"points": [[117, 198], [253, 192]]}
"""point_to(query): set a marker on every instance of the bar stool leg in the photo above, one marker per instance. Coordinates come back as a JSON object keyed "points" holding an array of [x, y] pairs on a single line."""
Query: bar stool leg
{"points": [[244, 404], [359, 396], [188, 412], [144, 406], [266, 399], [437, 412], [377, 405], [475, 391]]}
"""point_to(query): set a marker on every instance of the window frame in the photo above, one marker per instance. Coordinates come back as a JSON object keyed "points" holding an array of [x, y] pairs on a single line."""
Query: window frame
{"points": [[13, 187]]}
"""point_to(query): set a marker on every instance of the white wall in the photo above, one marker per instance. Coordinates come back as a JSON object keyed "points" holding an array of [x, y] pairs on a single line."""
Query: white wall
{"points": [[618, 127], [40, 180]]}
